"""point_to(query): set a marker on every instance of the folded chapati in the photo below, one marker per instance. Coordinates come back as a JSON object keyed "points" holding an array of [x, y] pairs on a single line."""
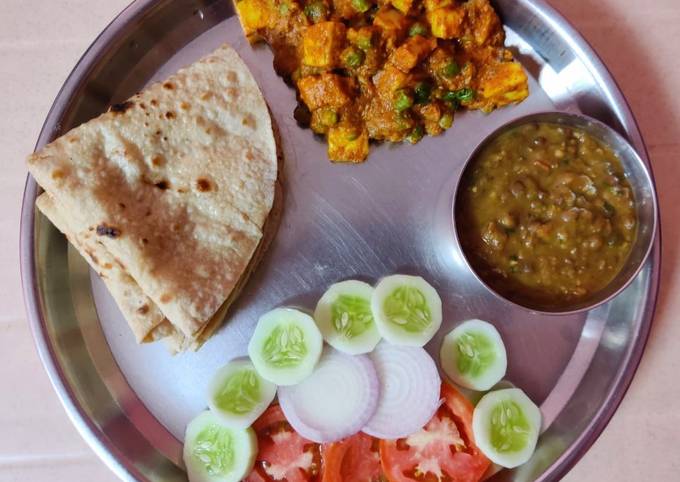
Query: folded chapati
{"points": [[167, 194]]}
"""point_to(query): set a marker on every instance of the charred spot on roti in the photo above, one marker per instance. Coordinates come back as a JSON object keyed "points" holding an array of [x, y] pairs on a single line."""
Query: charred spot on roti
{"points": [[73, 139], [232, 93], [108, 266], [145, 241], [154, 102], [170, 115], [203, 184], [231, 76], [185, 106], [58, 174], [166, 298], [109, 231], [206, 96], [143, 310], [162, 185], [169, 86], [122, 205], [158, 161], [122, 108], [142, 105], [249, 121]]}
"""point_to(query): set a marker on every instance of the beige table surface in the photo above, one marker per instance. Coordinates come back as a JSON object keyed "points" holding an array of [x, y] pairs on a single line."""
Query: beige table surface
{"points": [[41, 40]]}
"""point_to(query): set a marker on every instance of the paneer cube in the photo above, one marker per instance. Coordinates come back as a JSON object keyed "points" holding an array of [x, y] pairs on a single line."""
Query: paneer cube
{"points": [[347, 143], [503, 83], [392, 24], [389, 79], [486, 24], [411, 52], [254, 15], [322, 43], [323, 90], [402, 5], [435, 4], [447, 22]]}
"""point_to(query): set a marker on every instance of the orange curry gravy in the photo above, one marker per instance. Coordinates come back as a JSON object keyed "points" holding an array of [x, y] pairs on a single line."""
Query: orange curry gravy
{"points": [[385, 70]]}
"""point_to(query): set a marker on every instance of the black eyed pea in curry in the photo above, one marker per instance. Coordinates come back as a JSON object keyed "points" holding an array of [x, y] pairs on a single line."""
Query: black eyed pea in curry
{"points": [[545, 215], [386, 70]]}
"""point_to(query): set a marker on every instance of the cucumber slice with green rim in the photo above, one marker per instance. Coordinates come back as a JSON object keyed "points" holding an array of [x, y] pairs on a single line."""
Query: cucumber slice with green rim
{"points": [[344, 317], [473, 355], [286, 346], [215, 453], [506, 424], [407, 310], [238, 395]]}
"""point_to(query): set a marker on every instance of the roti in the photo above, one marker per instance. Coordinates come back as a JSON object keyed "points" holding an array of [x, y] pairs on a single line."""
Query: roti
{"points": [[167, 194]]}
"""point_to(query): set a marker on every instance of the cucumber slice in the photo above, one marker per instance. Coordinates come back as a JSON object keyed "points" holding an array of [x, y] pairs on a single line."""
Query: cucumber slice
{"points": [[238, 395], [473, 355], [505, 424], [344, 317], [407, 310], [286, 346], [215, 453]]}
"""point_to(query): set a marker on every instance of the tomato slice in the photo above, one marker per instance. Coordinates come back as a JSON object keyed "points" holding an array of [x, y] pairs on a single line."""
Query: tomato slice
{"points": [[353, 459], [283, 456], [443, 451]]}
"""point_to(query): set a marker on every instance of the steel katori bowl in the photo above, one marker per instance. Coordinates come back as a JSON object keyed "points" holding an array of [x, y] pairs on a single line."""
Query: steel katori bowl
{"points": [[638, 176]]}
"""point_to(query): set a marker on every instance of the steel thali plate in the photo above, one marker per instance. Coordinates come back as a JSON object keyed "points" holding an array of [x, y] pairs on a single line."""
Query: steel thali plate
{"points": [[390, 214]]}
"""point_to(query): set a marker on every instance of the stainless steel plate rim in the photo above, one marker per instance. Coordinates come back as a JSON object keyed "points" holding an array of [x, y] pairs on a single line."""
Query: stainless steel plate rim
{"points": [[118, 461]]}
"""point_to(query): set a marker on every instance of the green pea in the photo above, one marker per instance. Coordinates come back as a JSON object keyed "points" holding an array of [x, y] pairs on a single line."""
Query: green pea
{"points": [[354, 58], [417, 29], [451, 69], [402, 100], [461, 95], [284, 8], [365, 42], [422, 92], [404, 120], [361, 6], [446, 121], [328, 117], [449, 96], [465, 94], [316, 11], [416, 134]]}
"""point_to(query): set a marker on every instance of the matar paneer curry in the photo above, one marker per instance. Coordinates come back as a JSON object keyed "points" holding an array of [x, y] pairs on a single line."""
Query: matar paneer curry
{"points": [[393, 71]]}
